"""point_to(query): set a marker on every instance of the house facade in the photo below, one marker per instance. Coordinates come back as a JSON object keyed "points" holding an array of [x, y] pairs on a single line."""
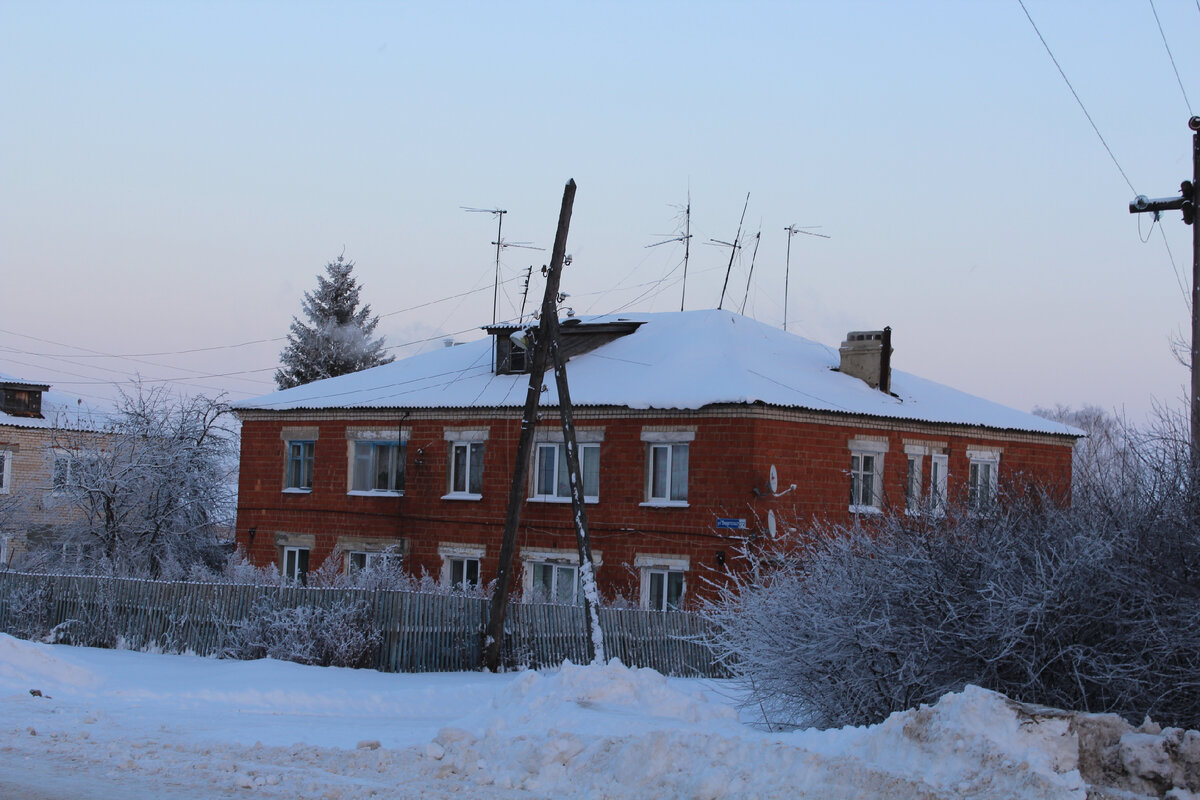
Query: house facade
{"points": [[33, 469], [696, 431]]}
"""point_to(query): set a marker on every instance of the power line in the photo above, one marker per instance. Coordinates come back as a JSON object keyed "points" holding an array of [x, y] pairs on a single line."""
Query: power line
{"points": [[1076, 95], [1158, 22]]}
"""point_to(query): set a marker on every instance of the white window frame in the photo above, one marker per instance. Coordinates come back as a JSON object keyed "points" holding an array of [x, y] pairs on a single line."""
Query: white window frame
{"points": [[558, 454], [557, 559], [912, 483], [987, 463], [939, 483], [669, 444], [465, 554], [289, 459], [292, 571], [6, 457], [473, 444], [373, 441], [664, 566], [875, 450]]}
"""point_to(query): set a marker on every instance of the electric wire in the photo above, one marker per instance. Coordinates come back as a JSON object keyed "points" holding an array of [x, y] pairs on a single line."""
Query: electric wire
{"points": [[1161, 33], [1076, 96]]}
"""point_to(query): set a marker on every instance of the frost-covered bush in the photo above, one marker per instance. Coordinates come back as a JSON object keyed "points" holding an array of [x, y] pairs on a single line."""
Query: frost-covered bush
{"points": [[1095, 608], [343, 634]]}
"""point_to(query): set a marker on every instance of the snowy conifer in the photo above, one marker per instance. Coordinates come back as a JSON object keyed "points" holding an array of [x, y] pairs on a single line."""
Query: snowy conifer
{"points": [[337, 339]]}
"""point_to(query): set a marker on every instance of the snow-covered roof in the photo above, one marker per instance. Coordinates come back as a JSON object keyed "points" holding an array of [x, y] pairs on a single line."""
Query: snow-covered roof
{"points": [[59, 410], [675, 360]]}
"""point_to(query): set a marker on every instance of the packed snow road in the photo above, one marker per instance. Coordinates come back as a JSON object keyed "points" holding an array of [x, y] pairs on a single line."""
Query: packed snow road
{"points": [[119, 725]]}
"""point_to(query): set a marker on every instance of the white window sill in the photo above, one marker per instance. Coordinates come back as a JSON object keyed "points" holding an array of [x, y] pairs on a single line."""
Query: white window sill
{"points": [[865, 510], [296, 490], [543, 498], [374, 493], [664, 504], [462, 496]]}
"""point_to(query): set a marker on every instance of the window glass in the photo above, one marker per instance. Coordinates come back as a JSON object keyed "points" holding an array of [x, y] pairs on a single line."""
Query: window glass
{"points": [[295, 564], [862, 479], [300, 465], [464, 572], [912, 485], [666, 590], [668, 472], [379, 466], [552, 477], [937, 484]]}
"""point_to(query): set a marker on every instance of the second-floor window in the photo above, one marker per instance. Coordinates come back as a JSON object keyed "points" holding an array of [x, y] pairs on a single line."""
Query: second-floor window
{"points": [[5, 471], [982, 482], [300, 465], [378, 467], [552, 480], [466, 468], [667, 473]]}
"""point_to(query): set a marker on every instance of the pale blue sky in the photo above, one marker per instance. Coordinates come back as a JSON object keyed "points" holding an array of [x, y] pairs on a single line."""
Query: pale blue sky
{"points": [[175, 174]]}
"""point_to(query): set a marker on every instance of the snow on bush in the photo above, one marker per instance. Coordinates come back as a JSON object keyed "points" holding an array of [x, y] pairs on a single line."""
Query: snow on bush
{"points": [[343, 634], [1092, 609]]}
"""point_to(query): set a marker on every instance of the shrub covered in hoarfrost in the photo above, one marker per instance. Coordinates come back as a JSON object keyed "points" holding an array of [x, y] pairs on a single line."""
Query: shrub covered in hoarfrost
{"points": [[343, 634], [1091, 610]]}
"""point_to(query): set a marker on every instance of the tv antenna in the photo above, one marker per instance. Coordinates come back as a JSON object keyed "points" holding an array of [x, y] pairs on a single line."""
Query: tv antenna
{"points": [[686, 238], [733, 246], [792, 230], [498, 213], [753, 256]]}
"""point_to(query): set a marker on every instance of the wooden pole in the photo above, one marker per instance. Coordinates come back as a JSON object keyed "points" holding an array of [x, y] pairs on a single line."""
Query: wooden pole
{"points": [[494, 634], [587, 570]]}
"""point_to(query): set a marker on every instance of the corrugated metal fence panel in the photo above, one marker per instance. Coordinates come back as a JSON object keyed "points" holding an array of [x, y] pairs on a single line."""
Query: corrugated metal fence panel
{"points": [[418, 632]]}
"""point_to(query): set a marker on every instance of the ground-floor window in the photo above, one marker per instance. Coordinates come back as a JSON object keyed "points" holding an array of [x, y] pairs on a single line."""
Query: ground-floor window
{"points": [[461, 565], [557, 583], [663, 581], [295, 564]]}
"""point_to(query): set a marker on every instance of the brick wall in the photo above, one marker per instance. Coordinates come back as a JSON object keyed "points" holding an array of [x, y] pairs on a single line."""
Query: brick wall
{"points": [[730, 458]]}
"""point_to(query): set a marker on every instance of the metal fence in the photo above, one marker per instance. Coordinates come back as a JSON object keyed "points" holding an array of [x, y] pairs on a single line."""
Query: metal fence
{"points": [[419, 632]]}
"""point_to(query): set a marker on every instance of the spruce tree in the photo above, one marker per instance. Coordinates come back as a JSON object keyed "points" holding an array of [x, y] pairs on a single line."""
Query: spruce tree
{"points": [[337, 339]]}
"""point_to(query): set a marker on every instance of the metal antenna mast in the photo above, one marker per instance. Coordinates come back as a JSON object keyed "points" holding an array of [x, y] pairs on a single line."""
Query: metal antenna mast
{"points": [[499, 214], [750, 274], [792, 230], [686, 239], [733, 246]]}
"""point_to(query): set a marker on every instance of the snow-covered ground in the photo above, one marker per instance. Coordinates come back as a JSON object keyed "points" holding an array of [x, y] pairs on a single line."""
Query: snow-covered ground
{"points": [[112, 724]]}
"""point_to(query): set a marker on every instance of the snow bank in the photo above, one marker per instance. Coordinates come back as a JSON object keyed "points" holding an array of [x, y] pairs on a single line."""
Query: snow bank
{"points": [[655, 740], [29, 665], [130, 726]]}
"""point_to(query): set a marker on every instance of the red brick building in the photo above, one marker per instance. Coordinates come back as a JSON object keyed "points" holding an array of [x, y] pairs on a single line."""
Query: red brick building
{"points": [[696, 430]]}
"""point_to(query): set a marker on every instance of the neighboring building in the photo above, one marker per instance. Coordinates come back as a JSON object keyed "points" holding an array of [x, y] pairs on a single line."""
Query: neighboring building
{"points": [[32, 470], [696, 430]]}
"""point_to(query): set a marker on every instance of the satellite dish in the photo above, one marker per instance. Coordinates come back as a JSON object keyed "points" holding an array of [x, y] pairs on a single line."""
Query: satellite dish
{"points": [[774, 480], [771, 526]]}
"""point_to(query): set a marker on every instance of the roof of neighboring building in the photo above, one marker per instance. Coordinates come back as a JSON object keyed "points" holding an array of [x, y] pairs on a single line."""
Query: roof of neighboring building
{"points": [[675, 360], [59, 410]]}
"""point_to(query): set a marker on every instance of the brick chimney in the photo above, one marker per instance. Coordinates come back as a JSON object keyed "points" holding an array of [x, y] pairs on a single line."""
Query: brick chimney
{"points": [[867, 355]]}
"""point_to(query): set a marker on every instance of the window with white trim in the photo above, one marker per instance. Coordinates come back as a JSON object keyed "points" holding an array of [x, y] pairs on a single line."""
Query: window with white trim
{"points": [[938, 471], [982, 481], [866, 475], [551, 480], [5, 471], [667, 455], [299, 474], [460, 565], [295, 564], [557, 583], [464, 479], [552, 576], [663, 581], [378, 467], [912, 485], [71, 471], [358, 560]]}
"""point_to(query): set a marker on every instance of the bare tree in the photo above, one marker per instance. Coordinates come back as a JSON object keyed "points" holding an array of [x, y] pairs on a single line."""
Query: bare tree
{"points": [[153, 493]]}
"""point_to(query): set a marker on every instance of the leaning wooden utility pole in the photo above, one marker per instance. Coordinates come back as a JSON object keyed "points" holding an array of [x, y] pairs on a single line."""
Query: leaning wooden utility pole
{"points": [[587, 569], [494, 634], [1186, 202]]}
